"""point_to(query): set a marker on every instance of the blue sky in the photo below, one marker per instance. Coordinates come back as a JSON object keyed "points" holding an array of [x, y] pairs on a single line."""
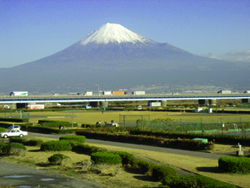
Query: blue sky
{"points": [[33, 29]]}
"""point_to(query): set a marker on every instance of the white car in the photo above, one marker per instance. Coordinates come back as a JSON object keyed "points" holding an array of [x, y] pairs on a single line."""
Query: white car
{"points": [[11, 133]]}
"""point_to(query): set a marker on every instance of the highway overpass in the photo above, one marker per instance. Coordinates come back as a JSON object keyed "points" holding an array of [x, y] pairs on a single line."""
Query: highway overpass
{"points": [[106, 98]]}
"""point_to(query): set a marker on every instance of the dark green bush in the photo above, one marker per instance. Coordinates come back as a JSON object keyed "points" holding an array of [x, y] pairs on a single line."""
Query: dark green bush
{"points": [[18, 140], [145, 166], [56, 146], [160, 172], [196, 181], [2, 147], [86, 149], [127, 158], [238, 165], [54, 123], [14, 119], [77, 138], [57, 159], [106, 158], [13, 149], [46, 130], [34, 142], [2, 129]]}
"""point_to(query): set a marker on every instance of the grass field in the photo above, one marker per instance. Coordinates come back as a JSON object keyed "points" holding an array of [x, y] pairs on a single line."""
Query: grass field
{"points": [[91, 117], [125, 178]]}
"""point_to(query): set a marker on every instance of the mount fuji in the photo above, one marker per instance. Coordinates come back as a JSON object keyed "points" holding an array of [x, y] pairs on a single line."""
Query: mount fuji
{"points": [[116, 58]]}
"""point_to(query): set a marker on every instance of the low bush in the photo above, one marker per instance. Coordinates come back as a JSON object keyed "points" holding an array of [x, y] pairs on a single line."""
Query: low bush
{"points": [[145, 167], [54, 123], [160, 172], [46, 130], [18, 140], [57, 159], [106, 158], [2, 129], [127, 158], [2, 147], [14, 149], [86, 149], [197, 181], [56, 146], [14, 119], [77, 138], [239, 165], [34, 142]]}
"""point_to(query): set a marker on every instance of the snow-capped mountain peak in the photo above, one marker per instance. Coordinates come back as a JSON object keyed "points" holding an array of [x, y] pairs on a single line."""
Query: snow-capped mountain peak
{"points": [[114, 33]]}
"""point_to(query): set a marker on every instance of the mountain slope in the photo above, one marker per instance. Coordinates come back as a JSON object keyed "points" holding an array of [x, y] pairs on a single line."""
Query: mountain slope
{"points": [[118, 58]]}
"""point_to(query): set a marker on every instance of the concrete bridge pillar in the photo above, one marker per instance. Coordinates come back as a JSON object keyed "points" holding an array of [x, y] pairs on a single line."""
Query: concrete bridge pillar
{"points": [[201, 101], [245, 100], [104, 104], [164, 103], [212, 102]]}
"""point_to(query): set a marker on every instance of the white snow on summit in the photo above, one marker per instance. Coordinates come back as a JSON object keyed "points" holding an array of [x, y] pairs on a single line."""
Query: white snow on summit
{"points": [[114, 33]]}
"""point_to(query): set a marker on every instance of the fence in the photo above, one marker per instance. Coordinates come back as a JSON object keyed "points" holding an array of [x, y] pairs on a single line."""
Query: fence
{"points": [[130, 120], [16, 114]]}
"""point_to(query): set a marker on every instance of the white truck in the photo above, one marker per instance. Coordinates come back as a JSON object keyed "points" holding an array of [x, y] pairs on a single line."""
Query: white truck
{"points": [[35, 106], [138, 93], [224, 92], [107, 92], [248, 91], [19, 93], [87, 93]]}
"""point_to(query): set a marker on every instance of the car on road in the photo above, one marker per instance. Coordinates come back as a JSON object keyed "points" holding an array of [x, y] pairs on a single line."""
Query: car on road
{"points": [[12, 133]]}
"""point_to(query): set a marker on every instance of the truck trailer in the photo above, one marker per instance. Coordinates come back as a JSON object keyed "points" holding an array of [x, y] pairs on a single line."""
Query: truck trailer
{"points": [[35, 106], [19, 93], [138, 93], [248, 91], [224, 92], [118, 92], [87, 93], [107, 92]]}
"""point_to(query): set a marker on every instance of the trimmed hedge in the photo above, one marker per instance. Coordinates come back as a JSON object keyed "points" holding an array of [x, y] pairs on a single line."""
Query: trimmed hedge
{"points": [[160, 172], [46, 130], [2, 129], [54, 123], [18, 140], [148, 140], [2, 147], [223, 139], [8, 149], [7, 125], [57, 159], [86, 149], [106, 158], [197, 181], [127, 158], [77, 138], [56, 146], [34, 142], [239, 165], [14, 119]]}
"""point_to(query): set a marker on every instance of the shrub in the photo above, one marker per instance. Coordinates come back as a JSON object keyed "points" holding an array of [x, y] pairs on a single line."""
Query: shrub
{"points": [[18, 140], [53, 123], [145, 166], [14, 149], [34, 142], [2, 129], [2, 146], [127, 158], [86, 149], [106, 158], [234, 165], [56, 146], [160, 172], [197, 181], [74, 138], [14, 119], [57, 159]]}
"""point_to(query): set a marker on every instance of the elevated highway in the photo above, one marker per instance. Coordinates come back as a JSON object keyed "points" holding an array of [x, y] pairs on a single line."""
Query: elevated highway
{"points": [[107, 98]]}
